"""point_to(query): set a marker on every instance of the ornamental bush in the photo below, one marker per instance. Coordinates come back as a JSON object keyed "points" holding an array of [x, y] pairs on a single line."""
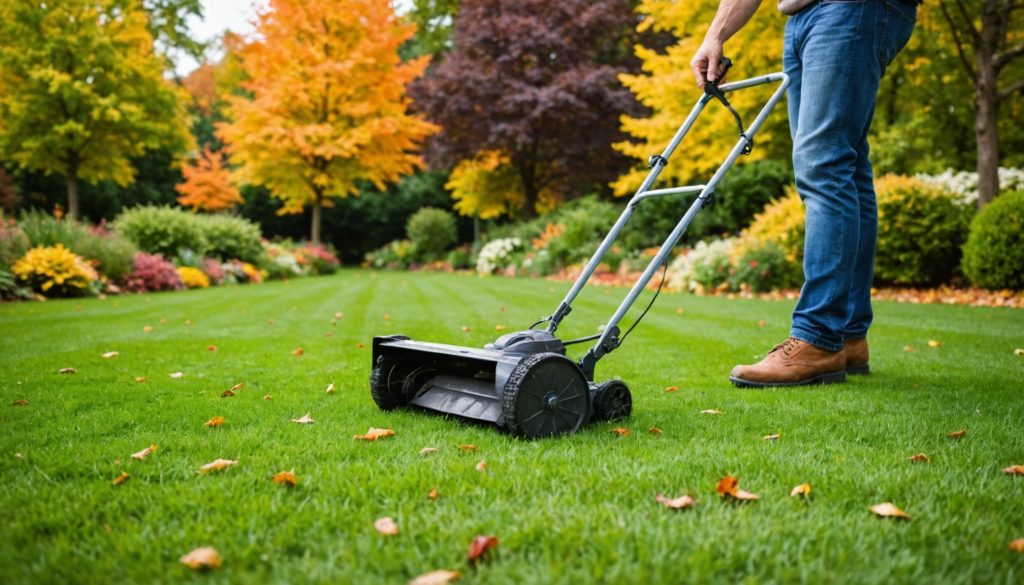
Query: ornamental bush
{"points": [[193, 277], [110, 253], [229, 236], [432, 231], [150, 272], [994, 252], [162, 230], [764, 268], [780, 223], [56, 271], [13, 243]]}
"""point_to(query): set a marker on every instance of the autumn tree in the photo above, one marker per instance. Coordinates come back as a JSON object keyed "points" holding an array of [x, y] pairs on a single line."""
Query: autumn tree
{"points": [[82, 91], [207, 185], [434, 20], [325, 109], [534, 83], [989, 38]]}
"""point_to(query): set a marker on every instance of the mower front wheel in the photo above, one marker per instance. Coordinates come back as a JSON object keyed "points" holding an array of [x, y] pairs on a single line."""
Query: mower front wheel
{"points": [[546, 395]]}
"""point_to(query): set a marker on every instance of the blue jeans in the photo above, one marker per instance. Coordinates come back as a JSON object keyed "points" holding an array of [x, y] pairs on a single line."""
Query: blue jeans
{"points": [[835, 54]]}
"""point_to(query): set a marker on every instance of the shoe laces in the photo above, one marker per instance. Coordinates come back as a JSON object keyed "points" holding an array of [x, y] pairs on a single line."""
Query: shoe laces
{"points": [[786, 346]]}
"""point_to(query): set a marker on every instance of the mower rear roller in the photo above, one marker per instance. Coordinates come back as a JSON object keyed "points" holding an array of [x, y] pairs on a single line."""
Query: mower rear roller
{"points": [[611, 401]]}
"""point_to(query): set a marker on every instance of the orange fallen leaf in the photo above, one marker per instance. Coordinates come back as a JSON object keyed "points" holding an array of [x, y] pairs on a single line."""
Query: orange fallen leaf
{"points": [[238, 386], [711, 411], [466, 329], [270, 322], [1014, 470], [622, 432], [386, 526], [433, 494], [303, 420], [206, 557], [439, 577], [268, 397], [217, 465], [360, 345], [761, 323], [499, 327], [298, 351], [803, 489], [21, 402], [729, 488], [121, 478], [428, 450], [1017, 545], [227, 394], [67, 371], [654, 431], [330, 388], [671, 388], [774, 437], [467, 447], [934, 343], [144, 453], [887, 510], [374, 433], [680, 503], [176, 375], [140, 379], [285, 478], [110, 354], [479, 546], [908, 348], [481, 466], [503, 309], [211, 348], [147, 329], [214, 422], [919, 458], [957, 434]]}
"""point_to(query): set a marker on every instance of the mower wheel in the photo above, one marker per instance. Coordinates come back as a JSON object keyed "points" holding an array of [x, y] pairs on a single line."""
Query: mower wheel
{"points": [[390, 383], [612, 401], [545, 395]]}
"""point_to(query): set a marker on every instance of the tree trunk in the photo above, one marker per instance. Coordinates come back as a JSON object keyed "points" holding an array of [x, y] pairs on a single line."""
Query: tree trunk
{"points": [[318, 204], [530, 191], [72, 186], [986, 114]]}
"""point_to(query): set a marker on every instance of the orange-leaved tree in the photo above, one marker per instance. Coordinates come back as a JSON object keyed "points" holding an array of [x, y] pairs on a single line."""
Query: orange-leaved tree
{"points": [[207, 185], [325, 106]]}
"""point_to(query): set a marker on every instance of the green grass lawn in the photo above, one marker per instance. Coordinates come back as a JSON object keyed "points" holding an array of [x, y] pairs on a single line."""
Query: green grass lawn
{"points": [[577, 509]]}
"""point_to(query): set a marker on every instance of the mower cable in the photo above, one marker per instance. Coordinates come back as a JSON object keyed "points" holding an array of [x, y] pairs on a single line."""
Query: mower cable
{"points": [[664, 273], [582, 339]]}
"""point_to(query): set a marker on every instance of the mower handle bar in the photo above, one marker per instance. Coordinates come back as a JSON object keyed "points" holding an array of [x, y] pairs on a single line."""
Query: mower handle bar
{"points": [[609, 338]]}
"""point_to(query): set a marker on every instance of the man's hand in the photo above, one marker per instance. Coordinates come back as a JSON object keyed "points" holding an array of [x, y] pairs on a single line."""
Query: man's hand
{"points": [[706, 61]]}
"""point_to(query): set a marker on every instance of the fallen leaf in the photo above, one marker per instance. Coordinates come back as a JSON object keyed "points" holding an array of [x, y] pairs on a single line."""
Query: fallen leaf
{"points": [[919, 458], [680, 503], [479, 546], [298, 351], [147, 329], [374, 433], [672, 389], [908, 348], [140, 379], [176, 375], [503, 309], [481, 466], [386, 526], [387, 317], [211, 348], [188, 321], [711, 411], [144, 453], [887, 510], [268, 397], [622, 432], [285, 478], [237, 386], [19, 456], [729, 488], [1019, 352], [163, 321], [803, 489], [227, 394], [439, 577], [1017, 545], [433, 494], [1014, 470], [428, 450], [21, 402], [957, 434], [330, 388], [206, 557], [303, 420], [774, 437], [110, 354], [339, 315], [934, 343], [499, 328], [67, 371], [217, 465], [360, 345], [654, 431], [121, 478], [761, 323], [680, 311], [214, 422], [466, 329], [328, 334], [467, 447]]}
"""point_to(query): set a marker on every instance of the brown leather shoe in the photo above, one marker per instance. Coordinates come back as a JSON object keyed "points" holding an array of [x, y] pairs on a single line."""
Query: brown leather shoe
{"points": [[856, 351], [791, 363]]}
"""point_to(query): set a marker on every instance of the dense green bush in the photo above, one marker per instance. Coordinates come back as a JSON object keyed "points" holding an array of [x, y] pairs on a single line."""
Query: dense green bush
{"points": [[920, 232], [111, 253], [585, 222], [162, 230], [432, 231], [994, 252], [10, 289], [228, 237], [764, 268]]}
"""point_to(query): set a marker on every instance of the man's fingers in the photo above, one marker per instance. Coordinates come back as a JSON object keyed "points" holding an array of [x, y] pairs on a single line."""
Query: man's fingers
{"points": [[713, 62], [698, 70]]}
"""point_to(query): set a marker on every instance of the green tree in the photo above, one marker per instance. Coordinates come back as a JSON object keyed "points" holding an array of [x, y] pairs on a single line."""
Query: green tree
{"points": [[82, 90]]}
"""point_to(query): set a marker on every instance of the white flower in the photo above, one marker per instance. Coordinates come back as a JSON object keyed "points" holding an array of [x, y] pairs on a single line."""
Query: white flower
{"points": [[495, 254]]}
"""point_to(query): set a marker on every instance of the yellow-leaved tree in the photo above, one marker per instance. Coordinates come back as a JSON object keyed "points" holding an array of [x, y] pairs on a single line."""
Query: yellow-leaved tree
{"points": [[325, 106], [669, 90]]}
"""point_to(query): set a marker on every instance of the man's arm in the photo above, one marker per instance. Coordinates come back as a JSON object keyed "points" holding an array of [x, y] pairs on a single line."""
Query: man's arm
{"points": [[730, 18]]}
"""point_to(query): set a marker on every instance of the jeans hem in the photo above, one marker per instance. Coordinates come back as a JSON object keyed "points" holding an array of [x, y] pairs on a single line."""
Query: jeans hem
{"points": [[814, 340]]}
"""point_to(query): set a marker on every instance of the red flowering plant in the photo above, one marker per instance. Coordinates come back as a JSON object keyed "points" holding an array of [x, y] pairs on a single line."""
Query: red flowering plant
{"points": [[150, 272]]}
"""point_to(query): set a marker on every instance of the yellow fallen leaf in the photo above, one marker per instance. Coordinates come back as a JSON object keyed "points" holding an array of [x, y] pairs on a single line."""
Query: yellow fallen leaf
{"points": [[217, 465], [620, 431], [360, 345], [711, 411], [919, 458], [268, 397], [330, 388], [163, 321], [481, 466], [214, 422], [433, 494], [386, 526], [428, 450], [908, 348], [439, 577], [957, 434], [680, 311], [1014, 470], [761, 323], [298, 351], [176, 375], [466, 329], [121, 478], [499, 327], [1019, 351], [1017, 545], [140, 379], [671, 388], [188, 321], [110, 354], [206, 557], [147, 329], [67, 371], [387, 317], [654, 431], [774, 437], [144, 453], [803, 489], [339, 315], [285, 478], [680, 503], [934, 343], [304, 420], [237, 387], [887, 510], [374, 433]]}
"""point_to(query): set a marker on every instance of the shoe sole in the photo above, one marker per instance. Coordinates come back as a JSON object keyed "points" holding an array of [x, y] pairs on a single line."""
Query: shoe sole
{"points": [[861, 370], [827, 378]]}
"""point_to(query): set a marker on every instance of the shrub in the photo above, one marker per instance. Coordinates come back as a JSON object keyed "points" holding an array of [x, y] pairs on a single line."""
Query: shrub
{"points": [[395, 255], [282, 262], [461, 258], [150, 272], [497, 254], [920, 232], [964, 184], [212, 269], [706, 266], [9, 287], [13, 243], [994, 253], [228, 237], [320, 258], [56, 271], [110, 253], [764, 268], [431, 231], [780, 223], [193, 277], [162, 230], [585, 222]]}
